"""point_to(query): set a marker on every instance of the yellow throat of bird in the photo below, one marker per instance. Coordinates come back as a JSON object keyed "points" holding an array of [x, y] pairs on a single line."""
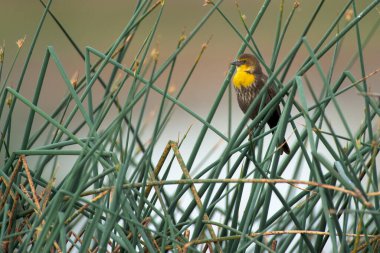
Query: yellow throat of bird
{"points": [[243, 77]]}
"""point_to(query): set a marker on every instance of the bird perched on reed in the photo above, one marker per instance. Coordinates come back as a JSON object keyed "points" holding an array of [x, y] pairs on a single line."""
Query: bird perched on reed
{"points": [[248, 80]]}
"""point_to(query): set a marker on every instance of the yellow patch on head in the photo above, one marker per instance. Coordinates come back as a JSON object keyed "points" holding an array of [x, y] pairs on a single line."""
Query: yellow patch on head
{"points": [[243, 77]]}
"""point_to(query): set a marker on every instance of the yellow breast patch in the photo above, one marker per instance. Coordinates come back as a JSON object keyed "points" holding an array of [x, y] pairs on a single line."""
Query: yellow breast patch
{"points": [[242, 78]]}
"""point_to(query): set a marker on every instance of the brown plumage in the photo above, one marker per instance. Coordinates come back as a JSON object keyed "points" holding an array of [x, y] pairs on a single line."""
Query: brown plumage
{"points": [[248, 81]]}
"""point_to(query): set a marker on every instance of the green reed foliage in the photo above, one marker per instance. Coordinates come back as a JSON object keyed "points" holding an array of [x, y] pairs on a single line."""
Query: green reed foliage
{"points": [[116, 197]]}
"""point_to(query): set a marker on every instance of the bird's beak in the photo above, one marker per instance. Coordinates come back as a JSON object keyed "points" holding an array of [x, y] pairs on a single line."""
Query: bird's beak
{"points": [[236, 63]]}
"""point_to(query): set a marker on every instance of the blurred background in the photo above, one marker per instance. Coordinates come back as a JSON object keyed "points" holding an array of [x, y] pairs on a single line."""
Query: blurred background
{"points": [[98, 23]]}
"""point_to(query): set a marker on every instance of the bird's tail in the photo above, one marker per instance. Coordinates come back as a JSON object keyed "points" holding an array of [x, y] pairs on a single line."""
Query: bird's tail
{"points": [[285, 147], [272, 122]]}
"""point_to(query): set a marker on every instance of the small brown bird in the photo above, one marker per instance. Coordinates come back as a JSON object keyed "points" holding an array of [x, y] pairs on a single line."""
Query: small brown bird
{"points": [[248, 81]]}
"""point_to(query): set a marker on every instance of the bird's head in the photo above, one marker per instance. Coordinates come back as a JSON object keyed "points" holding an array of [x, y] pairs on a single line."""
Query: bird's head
{"points": [[247, 67], [247, 63]]}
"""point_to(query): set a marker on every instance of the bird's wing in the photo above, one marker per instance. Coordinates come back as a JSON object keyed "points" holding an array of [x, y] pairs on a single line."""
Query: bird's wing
{"points": [[271, 93]]}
